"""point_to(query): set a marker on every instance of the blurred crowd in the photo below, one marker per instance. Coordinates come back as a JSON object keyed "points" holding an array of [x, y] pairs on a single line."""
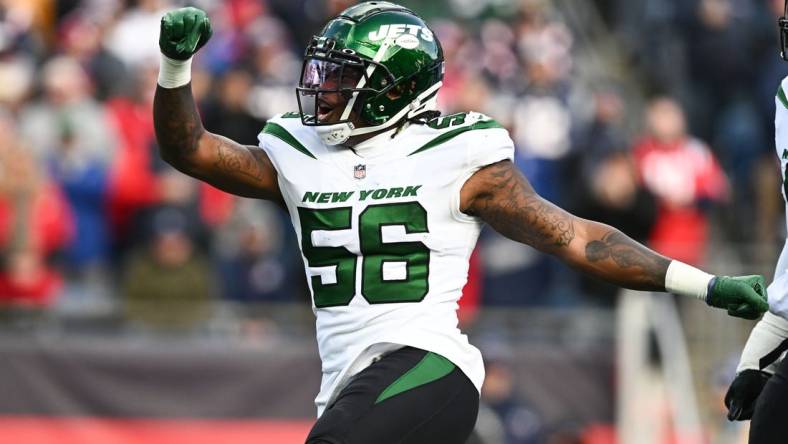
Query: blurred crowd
{"points": [[91, 220]]}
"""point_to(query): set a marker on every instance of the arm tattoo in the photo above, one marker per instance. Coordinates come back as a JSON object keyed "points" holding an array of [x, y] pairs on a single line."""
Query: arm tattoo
{"points": [[187, 146], [232, 159], [177, 122], [628, 254], [516, 211], [508, 203]]}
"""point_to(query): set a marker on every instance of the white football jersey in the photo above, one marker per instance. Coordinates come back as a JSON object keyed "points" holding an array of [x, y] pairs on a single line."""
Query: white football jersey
{"points": [[778, 290], [384, 243]]}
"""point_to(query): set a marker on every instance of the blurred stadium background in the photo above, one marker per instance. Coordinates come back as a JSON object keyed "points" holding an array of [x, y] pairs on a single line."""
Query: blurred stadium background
{"points": [[139, 306]]}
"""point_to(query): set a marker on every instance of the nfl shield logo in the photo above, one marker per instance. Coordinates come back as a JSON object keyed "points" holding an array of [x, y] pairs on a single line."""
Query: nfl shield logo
{"points": [[360, 171]]}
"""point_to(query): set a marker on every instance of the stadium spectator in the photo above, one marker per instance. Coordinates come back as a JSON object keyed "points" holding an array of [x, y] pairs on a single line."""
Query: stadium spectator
{"points": [[83, 180], [601, 136], [35, 222], [21, 26], [133, 38], [69, 132], [274, 64], [169, 285], [81, 36], [70, 135], [719, 39], [132, 176], [257, 255], [542, 127], [67, 105], [16, 80], [228, 110], [683, 174], [520, 421]]}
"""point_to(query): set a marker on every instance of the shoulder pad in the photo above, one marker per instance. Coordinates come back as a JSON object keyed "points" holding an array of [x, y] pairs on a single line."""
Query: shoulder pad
{"points": [[288, 128], [459, 120], [781, 93], [449, 127]]}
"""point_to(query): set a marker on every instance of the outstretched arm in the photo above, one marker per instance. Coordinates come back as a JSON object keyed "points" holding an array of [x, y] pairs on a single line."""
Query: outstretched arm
{"points": [[183, 141], [501, 196]]}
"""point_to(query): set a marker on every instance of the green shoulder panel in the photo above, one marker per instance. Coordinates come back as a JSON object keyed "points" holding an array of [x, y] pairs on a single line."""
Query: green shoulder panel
{"points": [[454, 125], [781, 96], [282, 134]]}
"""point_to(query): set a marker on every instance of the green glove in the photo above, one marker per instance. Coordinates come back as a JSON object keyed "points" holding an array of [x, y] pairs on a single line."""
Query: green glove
{"points": [[743, 296], [183, 32]]}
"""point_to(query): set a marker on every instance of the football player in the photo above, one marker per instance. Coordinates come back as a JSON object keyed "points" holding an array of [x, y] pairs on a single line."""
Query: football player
{"points": [[762, 367], [387, 198]]}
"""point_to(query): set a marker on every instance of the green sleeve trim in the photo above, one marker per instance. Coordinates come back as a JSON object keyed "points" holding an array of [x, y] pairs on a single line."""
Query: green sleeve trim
{"points": [[486, 124], [781, 96], [431, 368], [280, 133]]}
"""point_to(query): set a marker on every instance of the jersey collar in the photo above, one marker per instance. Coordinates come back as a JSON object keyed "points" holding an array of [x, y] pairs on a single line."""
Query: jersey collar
{"points": [[375, 146]]}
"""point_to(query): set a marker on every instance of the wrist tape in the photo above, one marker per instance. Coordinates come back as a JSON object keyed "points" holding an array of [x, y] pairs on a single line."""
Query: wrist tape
{"points": [[174, 73], [686, 280]]}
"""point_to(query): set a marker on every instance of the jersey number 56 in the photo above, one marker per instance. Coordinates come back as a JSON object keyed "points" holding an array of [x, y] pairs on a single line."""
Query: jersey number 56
{"points": [[407, 263]]}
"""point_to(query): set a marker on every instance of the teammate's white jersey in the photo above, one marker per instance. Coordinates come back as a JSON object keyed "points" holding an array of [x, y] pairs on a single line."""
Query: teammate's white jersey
{"points": [[384, 243], [778, 290]]}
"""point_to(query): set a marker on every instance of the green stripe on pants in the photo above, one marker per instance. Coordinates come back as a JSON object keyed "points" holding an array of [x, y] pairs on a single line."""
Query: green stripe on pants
{"points": [[431, 368]]}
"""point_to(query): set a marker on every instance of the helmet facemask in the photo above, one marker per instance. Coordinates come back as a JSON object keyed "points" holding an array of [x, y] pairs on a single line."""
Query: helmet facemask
{"points": [[334, 84]]}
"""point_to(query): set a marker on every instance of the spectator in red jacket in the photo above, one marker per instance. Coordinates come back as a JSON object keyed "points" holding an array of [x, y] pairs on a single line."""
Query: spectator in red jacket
{"points": [[35, 221], [683, 174]]}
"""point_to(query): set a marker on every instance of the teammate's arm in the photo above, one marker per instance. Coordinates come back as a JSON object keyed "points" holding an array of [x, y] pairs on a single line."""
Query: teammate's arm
{"points": [[183, 141], [501, 196]]}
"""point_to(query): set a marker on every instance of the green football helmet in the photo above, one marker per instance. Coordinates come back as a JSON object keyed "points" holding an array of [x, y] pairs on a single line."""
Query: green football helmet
{"points": [[376, 60]]}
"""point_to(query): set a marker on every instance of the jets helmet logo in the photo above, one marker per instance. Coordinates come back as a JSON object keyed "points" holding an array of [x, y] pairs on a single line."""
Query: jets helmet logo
{"points": [[399, 31]]}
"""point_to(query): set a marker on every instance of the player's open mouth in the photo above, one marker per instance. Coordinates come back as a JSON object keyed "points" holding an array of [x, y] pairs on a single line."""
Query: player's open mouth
{"points": [[324, 110]]}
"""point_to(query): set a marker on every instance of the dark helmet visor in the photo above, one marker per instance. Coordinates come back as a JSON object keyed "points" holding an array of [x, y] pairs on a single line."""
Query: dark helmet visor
{"points": [[325, 89], [327, 75]]}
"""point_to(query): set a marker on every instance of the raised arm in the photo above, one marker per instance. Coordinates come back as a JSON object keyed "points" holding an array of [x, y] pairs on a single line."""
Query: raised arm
{"points": [[183, 141], [501, 196]]}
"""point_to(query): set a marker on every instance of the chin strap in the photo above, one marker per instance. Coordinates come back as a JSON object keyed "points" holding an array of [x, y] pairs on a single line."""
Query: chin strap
{"points": [[334, 134], [341, 132]]}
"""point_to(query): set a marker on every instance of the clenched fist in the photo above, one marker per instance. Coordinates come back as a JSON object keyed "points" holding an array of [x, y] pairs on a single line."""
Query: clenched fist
{"points": [[743, 296], [183, 32]]}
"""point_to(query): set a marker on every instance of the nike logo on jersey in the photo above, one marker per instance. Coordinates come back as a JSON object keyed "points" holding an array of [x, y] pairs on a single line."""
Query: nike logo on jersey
{"points": [[344, 196]]}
